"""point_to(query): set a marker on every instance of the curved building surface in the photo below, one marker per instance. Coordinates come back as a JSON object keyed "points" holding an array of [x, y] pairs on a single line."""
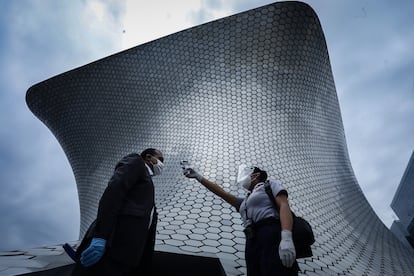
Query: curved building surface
{"points": [[253, 88]]}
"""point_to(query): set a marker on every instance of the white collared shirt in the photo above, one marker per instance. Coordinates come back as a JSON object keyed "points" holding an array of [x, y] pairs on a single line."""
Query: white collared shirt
{"points": [[151, 173], [258, 202]]}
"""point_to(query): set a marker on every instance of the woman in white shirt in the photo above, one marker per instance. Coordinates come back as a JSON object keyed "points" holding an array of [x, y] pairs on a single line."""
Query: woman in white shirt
{"points": [[269, 244]]}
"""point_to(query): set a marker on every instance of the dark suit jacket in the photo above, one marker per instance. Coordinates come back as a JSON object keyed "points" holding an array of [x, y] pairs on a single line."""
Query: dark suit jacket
{"points": [[124, 211]]}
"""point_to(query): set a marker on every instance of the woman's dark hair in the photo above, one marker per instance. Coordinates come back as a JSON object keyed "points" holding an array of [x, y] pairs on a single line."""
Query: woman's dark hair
{"points": [[263, 174]]}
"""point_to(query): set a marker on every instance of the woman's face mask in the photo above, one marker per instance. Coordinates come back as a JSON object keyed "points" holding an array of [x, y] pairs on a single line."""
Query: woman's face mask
{"points": [[245, 183], [243, 176]]}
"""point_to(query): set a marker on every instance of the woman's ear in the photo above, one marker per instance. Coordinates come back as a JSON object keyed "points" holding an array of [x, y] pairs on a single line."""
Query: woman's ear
{"points": [[255, 176]]}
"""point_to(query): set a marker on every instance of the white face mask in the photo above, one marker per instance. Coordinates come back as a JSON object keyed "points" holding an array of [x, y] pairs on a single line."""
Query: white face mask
{"points": [[157, 168], [245, 183], [243, 176]]}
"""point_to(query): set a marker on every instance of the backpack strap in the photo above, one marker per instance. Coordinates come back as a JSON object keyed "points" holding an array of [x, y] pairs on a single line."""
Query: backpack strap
{"points": [[269, 192]]}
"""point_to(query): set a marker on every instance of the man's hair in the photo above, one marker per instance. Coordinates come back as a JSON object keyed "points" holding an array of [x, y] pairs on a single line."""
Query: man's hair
{"points": [[263, 174], [149, 151]]}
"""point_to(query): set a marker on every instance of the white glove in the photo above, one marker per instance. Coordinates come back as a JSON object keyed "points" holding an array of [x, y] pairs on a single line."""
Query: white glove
{"points": [[287, 252], [191, 173]]}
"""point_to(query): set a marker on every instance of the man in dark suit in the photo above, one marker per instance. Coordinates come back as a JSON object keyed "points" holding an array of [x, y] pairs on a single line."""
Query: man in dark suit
{"points": [[121, 239]]}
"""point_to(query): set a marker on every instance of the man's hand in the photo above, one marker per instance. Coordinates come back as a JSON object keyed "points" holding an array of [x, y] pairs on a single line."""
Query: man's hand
{"points": [[287, 252], [94, 252], [191, 173]]}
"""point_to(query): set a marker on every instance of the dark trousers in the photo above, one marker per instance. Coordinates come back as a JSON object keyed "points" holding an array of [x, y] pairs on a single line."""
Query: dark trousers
{"points": [[107, 266], [144, 267], [262, 251]]}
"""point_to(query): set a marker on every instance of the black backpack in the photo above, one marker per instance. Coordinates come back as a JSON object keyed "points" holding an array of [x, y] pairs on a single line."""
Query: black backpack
{"points": [[302, 232]]}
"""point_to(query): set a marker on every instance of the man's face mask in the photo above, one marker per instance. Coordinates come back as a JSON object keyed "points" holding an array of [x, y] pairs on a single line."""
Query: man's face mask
{"points": [[157, 167], [243, 176]]}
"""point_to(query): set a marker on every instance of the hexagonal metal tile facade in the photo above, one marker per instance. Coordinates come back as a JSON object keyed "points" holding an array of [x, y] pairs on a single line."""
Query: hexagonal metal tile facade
{"points": [[253, 88]]}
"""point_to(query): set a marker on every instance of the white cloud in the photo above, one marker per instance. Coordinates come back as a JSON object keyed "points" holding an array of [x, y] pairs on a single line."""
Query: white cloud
{"points": [[42, 40], [145, 21]]}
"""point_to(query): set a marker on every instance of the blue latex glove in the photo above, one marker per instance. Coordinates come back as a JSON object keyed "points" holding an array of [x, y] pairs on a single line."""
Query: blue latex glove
{"points": [[94, 252]]}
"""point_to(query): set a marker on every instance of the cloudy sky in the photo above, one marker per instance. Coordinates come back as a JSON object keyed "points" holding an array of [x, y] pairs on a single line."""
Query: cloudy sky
{"points": [[370, 43]]}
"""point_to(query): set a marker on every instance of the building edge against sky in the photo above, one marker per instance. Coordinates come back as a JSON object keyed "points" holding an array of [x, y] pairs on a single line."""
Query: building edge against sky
{"points": [[403, 206], [254, 88]]}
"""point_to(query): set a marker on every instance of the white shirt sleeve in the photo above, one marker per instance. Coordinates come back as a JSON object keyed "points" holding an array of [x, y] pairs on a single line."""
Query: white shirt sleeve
{"points": [[276, 186]]}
